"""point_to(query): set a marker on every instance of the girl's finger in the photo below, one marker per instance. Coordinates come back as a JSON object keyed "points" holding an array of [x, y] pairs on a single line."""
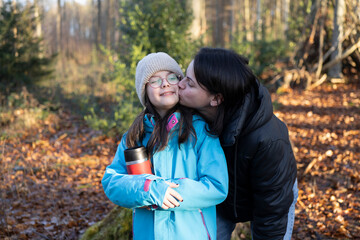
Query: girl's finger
{"points": [[164, 207], [172, 185], [176, 195], [167, 203], [173, 201]]}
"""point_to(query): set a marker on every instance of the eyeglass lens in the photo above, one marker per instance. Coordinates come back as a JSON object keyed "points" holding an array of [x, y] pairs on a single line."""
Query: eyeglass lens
{"points": [[156, 82]]}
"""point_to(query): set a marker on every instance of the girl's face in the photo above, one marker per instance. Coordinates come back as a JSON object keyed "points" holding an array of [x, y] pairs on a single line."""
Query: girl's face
{"points": [[192, 94], [163, 91]]}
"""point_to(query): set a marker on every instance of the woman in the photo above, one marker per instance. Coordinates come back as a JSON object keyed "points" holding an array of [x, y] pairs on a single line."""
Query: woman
{"points": [[190, 174], [262, 169]]}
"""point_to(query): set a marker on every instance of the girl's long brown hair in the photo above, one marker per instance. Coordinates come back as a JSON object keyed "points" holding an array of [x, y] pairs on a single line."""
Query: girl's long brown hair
{"points": [[159, 137]]}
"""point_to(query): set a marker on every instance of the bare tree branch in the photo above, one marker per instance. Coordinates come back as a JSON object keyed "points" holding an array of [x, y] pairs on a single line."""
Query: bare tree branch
{"points": [[347, 52]]}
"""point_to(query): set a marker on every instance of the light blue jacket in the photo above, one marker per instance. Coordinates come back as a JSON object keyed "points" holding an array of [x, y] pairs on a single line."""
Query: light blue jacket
{"points": [[201, 172]]}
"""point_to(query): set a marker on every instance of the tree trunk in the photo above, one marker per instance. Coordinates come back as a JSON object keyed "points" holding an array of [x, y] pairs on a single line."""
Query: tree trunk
{"points": [[267, 25], [286, 10], [314, 20], [198, 26], [115, 34], [248, 37], [38, 29], [98, 25], [217, 26], [314, 10], [37, 16], [277, 22], [79, 32], [339, 13], [94, 21], [257, 32], [323, 10], [109, 22], [66, 27], [15, 30], [227, 22], [347, 52], [232, 20], [58, 27]]}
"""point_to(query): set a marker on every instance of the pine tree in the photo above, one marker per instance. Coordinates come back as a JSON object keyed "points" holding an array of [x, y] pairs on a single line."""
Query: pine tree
{"points": [[21, 61]]}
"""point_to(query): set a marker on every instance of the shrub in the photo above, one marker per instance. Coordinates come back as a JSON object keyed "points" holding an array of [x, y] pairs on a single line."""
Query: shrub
{"points": [[262, 54]]}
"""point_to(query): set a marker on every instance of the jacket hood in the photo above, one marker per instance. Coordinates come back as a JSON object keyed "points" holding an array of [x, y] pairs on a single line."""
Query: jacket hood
{"points": [[253, 114]]}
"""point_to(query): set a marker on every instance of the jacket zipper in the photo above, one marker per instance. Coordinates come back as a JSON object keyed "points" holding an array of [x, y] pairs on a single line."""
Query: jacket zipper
{"points": [[203, 219], [133, 219], [235, 177]]}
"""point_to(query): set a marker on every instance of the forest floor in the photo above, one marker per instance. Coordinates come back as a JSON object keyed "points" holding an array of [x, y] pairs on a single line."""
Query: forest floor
{"points": [[51, 173]]}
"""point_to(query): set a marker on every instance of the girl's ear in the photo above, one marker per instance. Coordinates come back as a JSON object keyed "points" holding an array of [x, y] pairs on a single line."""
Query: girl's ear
{"points": [[216, 100]]}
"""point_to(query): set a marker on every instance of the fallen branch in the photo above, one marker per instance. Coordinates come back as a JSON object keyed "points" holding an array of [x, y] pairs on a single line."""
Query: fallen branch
{"points": [[294, 75], [311, 164], [275, 79], [332, 49], [318, 83], [321, 42], [348, 51]]}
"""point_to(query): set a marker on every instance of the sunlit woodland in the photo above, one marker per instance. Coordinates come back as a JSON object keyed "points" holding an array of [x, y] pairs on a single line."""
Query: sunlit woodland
{"points": [[67, 94]]}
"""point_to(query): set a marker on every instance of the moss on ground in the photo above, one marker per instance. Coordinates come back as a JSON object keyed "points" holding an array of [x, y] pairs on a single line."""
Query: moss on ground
{"points": [[117, 225]]}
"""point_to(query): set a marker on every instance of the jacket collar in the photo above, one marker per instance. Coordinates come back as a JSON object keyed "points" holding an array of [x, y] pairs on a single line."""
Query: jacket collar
{"points": [[251, 115], [149, 122]]}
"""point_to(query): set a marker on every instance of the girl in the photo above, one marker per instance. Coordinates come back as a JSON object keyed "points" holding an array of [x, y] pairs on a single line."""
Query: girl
{"points": [[190, 172]]}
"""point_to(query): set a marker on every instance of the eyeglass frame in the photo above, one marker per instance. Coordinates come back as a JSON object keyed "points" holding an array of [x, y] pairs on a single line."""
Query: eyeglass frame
{"points": [[162, 80]]}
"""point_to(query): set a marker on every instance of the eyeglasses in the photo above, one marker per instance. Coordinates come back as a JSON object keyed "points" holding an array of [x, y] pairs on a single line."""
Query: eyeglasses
{"points": [[156, 82]]}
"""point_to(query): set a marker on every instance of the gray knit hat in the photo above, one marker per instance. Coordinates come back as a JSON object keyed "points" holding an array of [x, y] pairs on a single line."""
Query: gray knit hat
{"points": [[151, 64]]}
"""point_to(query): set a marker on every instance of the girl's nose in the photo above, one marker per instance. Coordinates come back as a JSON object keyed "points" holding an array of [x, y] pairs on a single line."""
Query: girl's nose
{"points": [[165, 83]]}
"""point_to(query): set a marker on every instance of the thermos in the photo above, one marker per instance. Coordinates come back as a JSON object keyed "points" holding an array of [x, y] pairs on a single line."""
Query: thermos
{"points": [[137, 161]]}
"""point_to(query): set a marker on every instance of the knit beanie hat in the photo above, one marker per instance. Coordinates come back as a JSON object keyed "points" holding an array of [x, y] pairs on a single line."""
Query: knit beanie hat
{"points": [[151, 64]]}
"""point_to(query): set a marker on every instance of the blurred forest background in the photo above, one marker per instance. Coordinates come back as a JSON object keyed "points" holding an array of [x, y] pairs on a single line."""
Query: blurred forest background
{"points": [[67, 95]]}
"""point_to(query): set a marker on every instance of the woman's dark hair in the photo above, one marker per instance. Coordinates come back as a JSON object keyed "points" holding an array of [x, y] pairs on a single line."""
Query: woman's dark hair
{"points": [[224, 71], [159, 137]]}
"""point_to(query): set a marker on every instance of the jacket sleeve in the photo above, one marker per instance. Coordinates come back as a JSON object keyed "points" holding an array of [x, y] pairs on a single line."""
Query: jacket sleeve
{"points": [[131, 191], [272, 189], [212, 186]]}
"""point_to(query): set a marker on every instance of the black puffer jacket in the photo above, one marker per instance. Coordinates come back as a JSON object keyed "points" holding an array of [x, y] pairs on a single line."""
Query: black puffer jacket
{"points": [[262, 168]]}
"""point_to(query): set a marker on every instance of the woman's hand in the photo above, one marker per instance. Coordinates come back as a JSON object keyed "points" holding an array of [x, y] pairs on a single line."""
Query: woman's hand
{"points": [[172, 197]]}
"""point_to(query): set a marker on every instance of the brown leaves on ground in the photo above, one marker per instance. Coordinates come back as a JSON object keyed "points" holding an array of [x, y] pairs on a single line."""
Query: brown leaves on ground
{"points": [[50, 176], [324, 126], [50, 179]]}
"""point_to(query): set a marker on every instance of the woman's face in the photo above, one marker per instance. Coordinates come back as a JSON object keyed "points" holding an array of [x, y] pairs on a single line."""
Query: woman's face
{"points": [[192, 94], [165, 96]]}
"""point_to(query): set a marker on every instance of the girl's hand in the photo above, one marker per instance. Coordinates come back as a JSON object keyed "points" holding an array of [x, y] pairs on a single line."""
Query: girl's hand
{"points": [[172, 197]]}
